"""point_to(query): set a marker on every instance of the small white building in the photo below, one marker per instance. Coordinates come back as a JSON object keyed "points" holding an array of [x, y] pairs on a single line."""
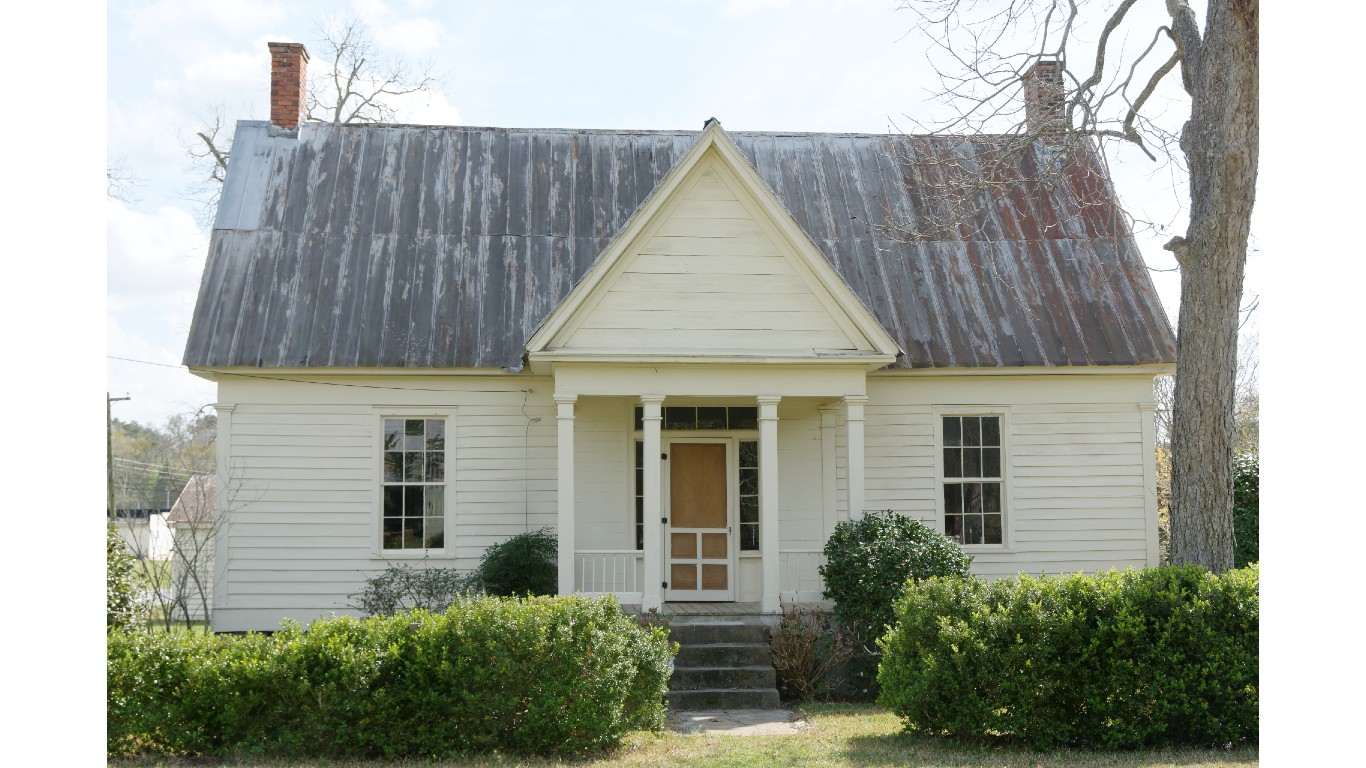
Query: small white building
{"points": [[192, 523], [690, 353]]}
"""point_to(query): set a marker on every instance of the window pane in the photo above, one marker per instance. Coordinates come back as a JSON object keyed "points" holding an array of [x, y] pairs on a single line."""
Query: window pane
{"points": [[640, 510], [991, 430], [412, 533], [436, 467], [393, 434], [393, 501], [972, 529], [749, 537], [992, 534], [953, 498], [991, 497], [743, 418], [749, 481], [991, 462], [412, 501], [412, 467], [413, 431], [393, 532], [953, 527], [639, 418], [749, 509], [436, 533], [393, 466], [436, 435], [953, 431], [972, 498], [711, 418], [640, 452], [680, 417], [640, 480], [953, 462], [749, 453], [972, 462], [972, 430], [434, 505]]}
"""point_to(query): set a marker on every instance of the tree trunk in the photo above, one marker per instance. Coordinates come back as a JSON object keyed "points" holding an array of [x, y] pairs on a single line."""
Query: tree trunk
{"points": [[1220, 144]]}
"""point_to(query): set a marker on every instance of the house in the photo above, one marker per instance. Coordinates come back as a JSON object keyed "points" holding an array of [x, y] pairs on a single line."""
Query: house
{"points": [[689, 352], [192, 527]]}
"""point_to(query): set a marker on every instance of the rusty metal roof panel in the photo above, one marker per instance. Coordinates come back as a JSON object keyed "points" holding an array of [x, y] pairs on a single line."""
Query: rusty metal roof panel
{"points": [[446, 247]]}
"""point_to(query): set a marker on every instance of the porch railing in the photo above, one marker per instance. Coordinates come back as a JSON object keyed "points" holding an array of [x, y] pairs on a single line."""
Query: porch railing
{"points": [[609, 572]]}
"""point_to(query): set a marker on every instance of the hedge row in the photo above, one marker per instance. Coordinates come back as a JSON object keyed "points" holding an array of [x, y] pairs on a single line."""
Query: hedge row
{"points": [[1162, 656], [551, 674]]}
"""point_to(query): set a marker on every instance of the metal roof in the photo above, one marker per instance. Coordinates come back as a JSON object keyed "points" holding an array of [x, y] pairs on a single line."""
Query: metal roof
{"points": [[446, 247]]}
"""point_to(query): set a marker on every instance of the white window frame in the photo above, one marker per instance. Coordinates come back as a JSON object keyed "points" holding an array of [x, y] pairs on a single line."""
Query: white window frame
{"points": [[377, 550], [1008, 508]]}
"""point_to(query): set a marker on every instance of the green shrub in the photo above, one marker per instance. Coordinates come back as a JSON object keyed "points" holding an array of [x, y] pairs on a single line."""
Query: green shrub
{"points": [[1246, 470], [1163, 656], [404, 587], [119, 584], [541, 675], [526, 564], [868, 562]]}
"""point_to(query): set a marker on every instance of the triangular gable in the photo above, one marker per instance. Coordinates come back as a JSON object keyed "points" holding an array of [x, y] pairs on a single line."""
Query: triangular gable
{"points": [[712, 264]]}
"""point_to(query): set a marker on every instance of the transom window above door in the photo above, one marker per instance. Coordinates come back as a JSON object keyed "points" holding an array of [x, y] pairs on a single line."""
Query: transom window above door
{"points": [[682, 417]]}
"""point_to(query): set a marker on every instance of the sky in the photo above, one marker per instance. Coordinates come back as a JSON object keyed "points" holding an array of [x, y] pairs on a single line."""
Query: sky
{"points": [[851, 66]]}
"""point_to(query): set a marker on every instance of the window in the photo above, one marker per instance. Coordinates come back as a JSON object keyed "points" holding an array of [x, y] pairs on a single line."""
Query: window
{"points": [[973, 511], [681, 417], [414, 484], [749, 495]]}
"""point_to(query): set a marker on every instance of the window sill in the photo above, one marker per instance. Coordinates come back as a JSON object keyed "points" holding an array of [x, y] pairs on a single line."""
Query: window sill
{"points": [[988, 549], [409, 554]]}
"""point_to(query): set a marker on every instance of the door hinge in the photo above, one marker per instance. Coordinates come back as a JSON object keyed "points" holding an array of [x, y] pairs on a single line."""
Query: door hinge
{"points": [[664, 456], [664, 520], [664, 584]]}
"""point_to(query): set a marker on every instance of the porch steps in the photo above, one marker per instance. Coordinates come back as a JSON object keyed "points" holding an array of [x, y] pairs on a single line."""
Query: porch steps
{"points": [[722, 664]]}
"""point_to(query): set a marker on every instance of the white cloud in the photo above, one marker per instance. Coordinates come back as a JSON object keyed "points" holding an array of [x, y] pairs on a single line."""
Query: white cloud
{"points": [[426, 109], [160, 19], [397, 32], [739, 9], [155, 260], [157, 391]]}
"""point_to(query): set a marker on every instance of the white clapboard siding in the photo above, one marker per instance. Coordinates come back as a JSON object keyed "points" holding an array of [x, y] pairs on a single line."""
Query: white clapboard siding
{"points": [[302, 526], [1076, 491], [710, 277]]}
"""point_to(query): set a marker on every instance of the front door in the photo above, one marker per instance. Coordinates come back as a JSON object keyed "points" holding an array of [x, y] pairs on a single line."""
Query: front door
{"points": [[697, 537]]}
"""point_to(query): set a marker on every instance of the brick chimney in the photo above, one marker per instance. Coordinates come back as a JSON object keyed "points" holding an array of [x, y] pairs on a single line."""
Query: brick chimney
{"points": [[1045, 96], [288, 84]]}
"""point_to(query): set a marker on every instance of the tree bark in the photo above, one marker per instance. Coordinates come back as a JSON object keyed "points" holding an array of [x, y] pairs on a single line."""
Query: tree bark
{"points": [[1220, 142]]}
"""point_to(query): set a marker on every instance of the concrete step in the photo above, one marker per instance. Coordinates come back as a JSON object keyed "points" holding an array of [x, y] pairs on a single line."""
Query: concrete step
{"points": [[726, 632], [737, 678], [757, 698], [723, 655]]}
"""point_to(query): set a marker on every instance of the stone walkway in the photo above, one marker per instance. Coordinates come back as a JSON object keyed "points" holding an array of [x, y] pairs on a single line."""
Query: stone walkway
{"points": [[736, 722]]}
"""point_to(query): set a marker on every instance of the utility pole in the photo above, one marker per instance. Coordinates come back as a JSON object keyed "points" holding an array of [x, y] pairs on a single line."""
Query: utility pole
{"points": [[109, 447]]}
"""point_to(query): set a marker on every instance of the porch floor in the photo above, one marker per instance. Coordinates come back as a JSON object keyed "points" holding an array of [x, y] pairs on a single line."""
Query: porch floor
{"points": [[703, 609]]}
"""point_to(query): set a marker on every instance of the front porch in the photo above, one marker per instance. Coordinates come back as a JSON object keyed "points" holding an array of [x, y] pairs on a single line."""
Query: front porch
{"points": [[703, 531]]}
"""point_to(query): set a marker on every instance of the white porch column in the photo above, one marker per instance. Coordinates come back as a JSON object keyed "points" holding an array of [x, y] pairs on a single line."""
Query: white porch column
{"points": [[653, 492], [565, 411], [853, 418], [829, 476], [768, 499]]}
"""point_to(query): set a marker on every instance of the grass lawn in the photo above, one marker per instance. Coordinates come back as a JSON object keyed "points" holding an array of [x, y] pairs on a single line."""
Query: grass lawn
{"points": [[836, 735]]}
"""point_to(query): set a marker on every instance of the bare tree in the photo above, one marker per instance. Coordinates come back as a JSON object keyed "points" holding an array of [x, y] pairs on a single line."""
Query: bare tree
{"points": [[986, 49], [353, 84], [358, 85]]}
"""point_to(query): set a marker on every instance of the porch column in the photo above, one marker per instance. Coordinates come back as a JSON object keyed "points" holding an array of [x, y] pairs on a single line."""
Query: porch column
{"points": [[853, 418], [565, 408], [829, 476], [768, 499], [653, 540]]}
